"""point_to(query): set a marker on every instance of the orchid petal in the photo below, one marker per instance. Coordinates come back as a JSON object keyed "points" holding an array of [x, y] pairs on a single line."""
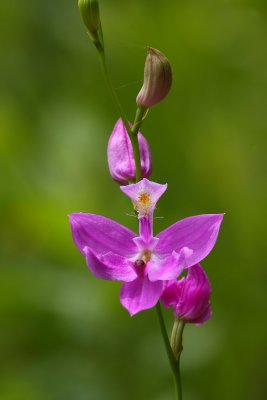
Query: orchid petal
{"points": [[101, 234], [198, 234], [110, 266], [144, 195], [172, 293], [165, 269], [204, 317], [140, 294], [194, 303], [142, 244]]}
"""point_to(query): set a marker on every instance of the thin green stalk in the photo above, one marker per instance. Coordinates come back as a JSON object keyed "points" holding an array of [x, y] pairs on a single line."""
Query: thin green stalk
{"points": [[177, 347], [112, 91], [137, 158], [177, 337], [174, 362], [139, 117], [165, 337]]}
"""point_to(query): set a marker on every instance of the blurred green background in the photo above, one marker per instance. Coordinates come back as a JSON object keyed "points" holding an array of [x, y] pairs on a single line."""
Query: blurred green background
{"points": [[64, 334]]}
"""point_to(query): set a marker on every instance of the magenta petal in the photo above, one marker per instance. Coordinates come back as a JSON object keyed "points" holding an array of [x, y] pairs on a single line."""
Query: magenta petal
{"points": [[203, 317], [198, 234], [110, 266], [165, 269], [120, 155], [190, 296], [140, 294], [194, 304], [101, 234], [144, 195], [172, 293]]}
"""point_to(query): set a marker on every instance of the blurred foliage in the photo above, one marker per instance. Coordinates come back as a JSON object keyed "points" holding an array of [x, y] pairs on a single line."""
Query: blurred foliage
{"points": [[63, 333]]}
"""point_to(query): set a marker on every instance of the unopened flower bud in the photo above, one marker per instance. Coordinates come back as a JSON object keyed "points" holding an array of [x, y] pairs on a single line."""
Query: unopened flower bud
{"points": [[89, 10], [189, 296], [121, 157], [157, 79]]}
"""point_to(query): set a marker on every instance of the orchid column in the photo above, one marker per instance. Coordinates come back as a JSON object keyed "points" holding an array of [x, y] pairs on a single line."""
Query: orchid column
{"points": [[149, 266]]}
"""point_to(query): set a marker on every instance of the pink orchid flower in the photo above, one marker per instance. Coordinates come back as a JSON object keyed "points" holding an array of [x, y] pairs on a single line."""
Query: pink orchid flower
{"points": [[145, 262]]}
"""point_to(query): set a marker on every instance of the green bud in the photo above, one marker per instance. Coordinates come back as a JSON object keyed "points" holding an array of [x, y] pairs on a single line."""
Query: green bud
{"points": [[157, 79], [89, 10]]}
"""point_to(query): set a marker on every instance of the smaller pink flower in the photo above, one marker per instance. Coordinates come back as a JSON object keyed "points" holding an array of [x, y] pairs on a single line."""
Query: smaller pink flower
{"points": [[121, 157], [189, 296]]}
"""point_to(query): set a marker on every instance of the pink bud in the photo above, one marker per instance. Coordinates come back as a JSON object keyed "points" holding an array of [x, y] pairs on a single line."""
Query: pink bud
{"points": [[189, 296], [121, 158], [157, 79]]}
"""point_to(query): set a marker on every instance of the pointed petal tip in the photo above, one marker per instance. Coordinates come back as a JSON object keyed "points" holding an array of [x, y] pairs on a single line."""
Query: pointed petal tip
{"points": [[77, 218], [197, 233], [132, 313], [220, 217], [73, 220], [76, 214], [148, 182], [71, 217]]}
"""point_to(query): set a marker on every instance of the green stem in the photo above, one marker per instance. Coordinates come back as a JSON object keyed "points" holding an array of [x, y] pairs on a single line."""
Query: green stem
{"points": [[112, 91], [139, 117], [177, 337], [174, 362], [177, 382], [165, 336], [177, 347]]}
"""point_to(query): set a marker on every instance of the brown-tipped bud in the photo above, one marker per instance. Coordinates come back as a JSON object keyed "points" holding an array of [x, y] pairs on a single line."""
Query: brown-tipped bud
{"points": [[89, 10], [157, 79]]}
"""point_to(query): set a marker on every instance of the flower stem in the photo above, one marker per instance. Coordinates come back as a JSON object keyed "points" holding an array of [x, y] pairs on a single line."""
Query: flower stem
{"points": [[173, 359], [165, 336], [177, 347], [139, 117], [177, 337], [112, 91]]}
